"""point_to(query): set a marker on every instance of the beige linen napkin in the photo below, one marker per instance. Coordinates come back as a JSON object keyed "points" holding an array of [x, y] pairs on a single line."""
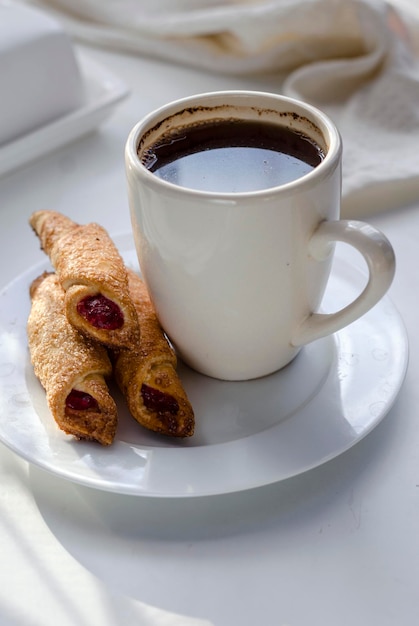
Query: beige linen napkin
{"points": [[355, 59]]}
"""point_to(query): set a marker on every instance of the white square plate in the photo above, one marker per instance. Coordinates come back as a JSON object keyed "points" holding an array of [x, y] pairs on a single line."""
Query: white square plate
{"points": [[103, 92]]}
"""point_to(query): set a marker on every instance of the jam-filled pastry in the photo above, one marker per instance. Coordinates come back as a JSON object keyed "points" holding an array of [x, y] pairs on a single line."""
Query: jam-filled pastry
{"points": [[71, 368], [93, 276], [147, 376]]}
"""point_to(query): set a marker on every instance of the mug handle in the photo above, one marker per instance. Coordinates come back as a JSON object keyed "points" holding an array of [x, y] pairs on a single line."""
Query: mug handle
{"points": [[379, 256]]}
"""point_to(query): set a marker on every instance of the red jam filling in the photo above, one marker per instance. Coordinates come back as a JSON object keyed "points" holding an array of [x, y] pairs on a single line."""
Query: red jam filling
{"points": [[101, 312], [158, 401], [80, 401]]}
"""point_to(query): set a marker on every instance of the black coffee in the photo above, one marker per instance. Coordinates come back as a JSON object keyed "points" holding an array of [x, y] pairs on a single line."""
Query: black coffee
{"points": [[231, 156]]}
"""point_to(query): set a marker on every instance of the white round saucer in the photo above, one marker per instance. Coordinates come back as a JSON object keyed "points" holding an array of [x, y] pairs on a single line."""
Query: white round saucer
{"points": [[248, 434]]}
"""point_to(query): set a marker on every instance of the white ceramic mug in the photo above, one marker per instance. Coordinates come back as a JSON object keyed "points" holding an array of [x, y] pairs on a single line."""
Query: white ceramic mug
{"points": [[237, 279]]}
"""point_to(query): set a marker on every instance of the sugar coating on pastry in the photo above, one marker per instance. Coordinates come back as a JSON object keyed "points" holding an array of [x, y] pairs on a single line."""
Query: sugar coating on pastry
{"points": [[146, 374], [71, 368], [93, 276]]}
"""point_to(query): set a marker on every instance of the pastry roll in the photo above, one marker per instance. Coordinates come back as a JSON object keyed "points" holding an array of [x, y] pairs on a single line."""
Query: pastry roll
{"points": [[93, 276], [146, 373], [70, 367]]}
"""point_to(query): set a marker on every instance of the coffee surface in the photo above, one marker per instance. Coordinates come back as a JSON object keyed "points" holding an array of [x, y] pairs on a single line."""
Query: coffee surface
{"points": [[232, 156]]}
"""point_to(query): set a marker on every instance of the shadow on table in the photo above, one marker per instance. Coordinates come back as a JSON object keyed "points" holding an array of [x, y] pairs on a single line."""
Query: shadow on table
{"points": [[142, 546]]}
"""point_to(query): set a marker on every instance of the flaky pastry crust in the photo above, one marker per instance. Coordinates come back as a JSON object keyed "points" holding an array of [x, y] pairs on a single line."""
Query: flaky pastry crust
{"points": [[147, 376], [88, 265], [65, 360]]}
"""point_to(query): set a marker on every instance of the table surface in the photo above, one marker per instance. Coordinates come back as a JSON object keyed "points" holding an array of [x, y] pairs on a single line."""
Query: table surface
{"points": [[338, 545]]}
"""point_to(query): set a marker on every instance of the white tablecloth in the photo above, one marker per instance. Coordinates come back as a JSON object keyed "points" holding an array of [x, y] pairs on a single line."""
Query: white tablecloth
{"points": [[337, 545]]}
